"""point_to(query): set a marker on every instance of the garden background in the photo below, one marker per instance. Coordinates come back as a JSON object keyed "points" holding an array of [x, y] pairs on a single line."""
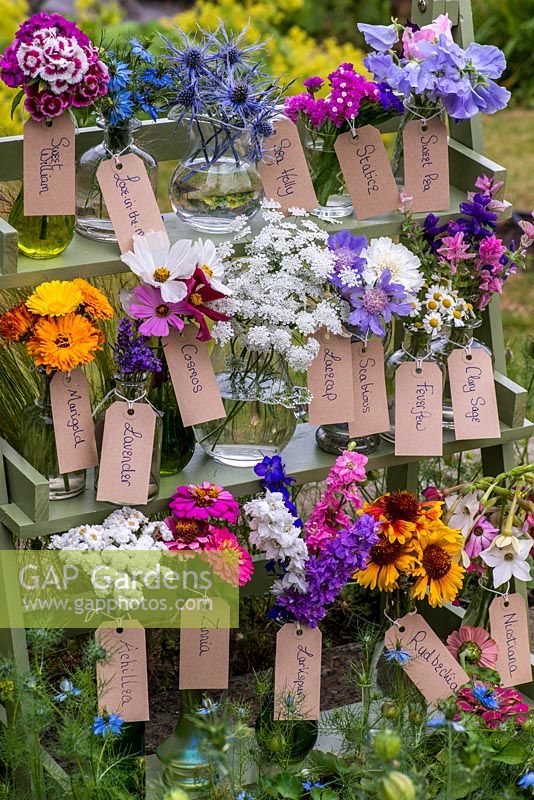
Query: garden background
{"points": [[309, 37]]}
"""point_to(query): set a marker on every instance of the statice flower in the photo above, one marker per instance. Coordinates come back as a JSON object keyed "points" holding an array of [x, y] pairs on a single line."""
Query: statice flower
{"points": [[132, 353]]}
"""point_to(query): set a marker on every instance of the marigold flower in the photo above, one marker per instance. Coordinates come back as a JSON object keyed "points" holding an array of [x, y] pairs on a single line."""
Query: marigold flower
{"points": [[95, 304], [64, 343], [55, 298], [15, 323]]}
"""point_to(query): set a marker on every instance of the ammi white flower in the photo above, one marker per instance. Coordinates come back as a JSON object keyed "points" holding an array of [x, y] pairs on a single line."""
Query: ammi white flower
{"points": [[508, 562], [383, 253], [158, 264], [209, 262]]}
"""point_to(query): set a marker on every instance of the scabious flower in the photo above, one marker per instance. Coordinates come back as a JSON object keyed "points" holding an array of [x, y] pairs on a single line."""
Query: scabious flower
{"points": [[493, 704], [108, 724], [132, 353], [384, 254], [373, 306], [204, 502], [474, 646]]}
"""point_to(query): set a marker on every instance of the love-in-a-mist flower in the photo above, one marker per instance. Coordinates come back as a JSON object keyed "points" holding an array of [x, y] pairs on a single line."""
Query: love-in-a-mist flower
{"points": [[507, 562], [159, 264], [204, 502], [473, 644], [493, 704], [480, 537], [108, 724]]}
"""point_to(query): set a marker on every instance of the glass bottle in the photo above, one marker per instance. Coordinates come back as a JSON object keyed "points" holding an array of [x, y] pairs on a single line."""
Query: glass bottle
{"points": [[283, 740], [187, 765], [417, 343], [458, 338], [326, 175], [416, 108], [40, 237], [133, 388], [178, 442], [92, 218], [217, 181], [39, 445]]}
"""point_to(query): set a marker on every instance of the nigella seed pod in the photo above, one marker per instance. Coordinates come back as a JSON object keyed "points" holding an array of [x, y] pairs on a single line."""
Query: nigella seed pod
{"points": [[387, 745], [396, 786]]}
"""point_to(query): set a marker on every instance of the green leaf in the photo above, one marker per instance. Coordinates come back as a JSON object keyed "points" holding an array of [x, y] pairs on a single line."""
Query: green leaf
{"points": [[514, 753], [327, 763], [16, 100], [289, 787], [328, 794]]}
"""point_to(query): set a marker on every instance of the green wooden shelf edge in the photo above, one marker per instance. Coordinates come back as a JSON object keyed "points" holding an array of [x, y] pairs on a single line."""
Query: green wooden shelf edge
{"points": [[304, 460]]}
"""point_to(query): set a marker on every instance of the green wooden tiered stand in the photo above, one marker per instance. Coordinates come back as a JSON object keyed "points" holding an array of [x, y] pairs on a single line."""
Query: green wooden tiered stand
{"points": [[25, 511]]}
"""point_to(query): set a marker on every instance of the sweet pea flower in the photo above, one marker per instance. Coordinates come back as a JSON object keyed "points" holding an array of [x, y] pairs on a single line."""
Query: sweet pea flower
{"points": [[441, 26], [379, 37]]}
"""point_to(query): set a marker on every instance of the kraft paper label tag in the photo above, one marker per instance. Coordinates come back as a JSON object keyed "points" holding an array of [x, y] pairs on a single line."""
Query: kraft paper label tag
{"points": [[73, 422], [126, 456], [509, 627], [418, 410], [297, 672], [330, 381], [474, 402], [122, 678], [426, 165], [284, 171], [367, 172], [193, 377], [431, 667], [49, 167], [205, 648], [129, 197], [371, 413]]}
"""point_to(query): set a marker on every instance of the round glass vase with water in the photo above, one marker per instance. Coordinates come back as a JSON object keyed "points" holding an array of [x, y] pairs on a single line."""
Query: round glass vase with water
{"points": [[459, 338], [417, 344], [92, 218], [131, 389], [261, 407], [216, 182], [326, 175]]}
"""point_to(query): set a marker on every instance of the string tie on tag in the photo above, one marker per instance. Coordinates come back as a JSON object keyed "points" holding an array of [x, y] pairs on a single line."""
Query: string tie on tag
{"points": [[353, 126], [393, 621], [299, 628], [116, 156], [425, 119], [504, 594], [130, 402]]}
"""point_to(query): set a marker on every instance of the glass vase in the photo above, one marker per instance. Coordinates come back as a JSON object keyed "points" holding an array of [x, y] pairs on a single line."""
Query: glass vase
{"points": [[458, 338], [326, 175], [187, 765], [38, 445], [417, 343], [416, 108], [177, 441], [133, 389], [283, 740], [261, 407], [92, 218], [40, 237], [216, 182]]}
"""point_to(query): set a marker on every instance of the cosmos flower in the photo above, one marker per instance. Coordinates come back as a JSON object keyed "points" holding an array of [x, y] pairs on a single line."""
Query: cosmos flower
{"points": [[159, 264]]}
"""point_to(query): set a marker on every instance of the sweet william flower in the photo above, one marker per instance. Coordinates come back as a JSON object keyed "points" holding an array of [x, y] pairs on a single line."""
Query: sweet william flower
{"points": [[159, 264]]}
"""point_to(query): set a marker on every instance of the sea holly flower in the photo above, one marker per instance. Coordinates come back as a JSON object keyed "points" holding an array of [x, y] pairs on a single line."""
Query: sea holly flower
{"points": [[474, 646], [159, 264], [108, 724], [66, 690]]}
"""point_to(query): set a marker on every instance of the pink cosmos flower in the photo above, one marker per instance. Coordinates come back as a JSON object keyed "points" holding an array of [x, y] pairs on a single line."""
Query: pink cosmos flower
{"points": [[490, 251], [146, 303], [480, 537], [473, 644], [442, 25], [454, 250], [204, 502], [494, 705], [189, 534], [228, 558]]}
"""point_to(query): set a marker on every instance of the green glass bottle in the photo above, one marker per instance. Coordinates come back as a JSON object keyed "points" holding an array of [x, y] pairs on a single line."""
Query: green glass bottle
{"points": [[40, 237], [183, 754]]}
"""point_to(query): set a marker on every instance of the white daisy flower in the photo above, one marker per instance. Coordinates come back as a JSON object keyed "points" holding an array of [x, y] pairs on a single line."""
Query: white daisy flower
{"points": [[432, 305], [209, 262], [383, 253], [416, 307], [447, 304], [433, 322], [158, 264]]}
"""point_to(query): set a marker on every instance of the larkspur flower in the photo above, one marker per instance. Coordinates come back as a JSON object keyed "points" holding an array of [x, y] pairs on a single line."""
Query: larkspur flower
{"points": [[108, 724], [454, 250]]}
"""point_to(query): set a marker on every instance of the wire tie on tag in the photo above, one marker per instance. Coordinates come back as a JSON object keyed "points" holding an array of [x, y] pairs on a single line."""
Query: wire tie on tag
{"points": [[353, 126]]}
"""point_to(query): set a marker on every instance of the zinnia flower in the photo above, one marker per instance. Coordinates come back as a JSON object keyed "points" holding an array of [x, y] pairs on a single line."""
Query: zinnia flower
{"points": [[230, 561], [15, 323], [481, 536], [55, 298], [474, 646], [387, 561], [188, 534], [158, 264], [437, 571], [204, 502], [64, 343], [494, 705], [95, 304]]}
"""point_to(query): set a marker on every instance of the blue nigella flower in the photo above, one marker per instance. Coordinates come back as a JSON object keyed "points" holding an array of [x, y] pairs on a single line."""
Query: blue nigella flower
{"points": [[244, 796], [108, 723], [139, 50], [119, 75], [207, 707], [526, 781], [66, 690], [398, 655], [485, 696], [122, 107], [439, 722], [151, 77], [309, 785]]}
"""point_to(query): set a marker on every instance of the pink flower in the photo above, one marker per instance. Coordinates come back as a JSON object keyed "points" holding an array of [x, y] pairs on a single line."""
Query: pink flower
{"points": [[228, 558], [432, 493], [348, 468], [488, 185], [313, 84], [189, 534], [490, 251], [480, 537], [325, 522], [494, 705], [441, 26], [53, 105], [204, 502], [474, 645], [528, 231], [454, 249], [146, 303]]}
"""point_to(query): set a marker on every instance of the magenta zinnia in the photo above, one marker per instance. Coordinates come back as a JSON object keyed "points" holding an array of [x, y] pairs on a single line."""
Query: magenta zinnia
{"points": [[204, 502], [473, 645]]}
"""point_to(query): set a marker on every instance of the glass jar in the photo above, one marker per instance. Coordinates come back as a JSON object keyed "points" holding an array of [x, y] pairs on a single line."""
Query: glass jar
{"points": [[417, 344], [283, 740], [459, 337], [40, 237], [178, 442], [92, 218], [261, 406], [326, 175], [132, 388], [216, 182], [416, 108], [187, 765], [39, 445]]}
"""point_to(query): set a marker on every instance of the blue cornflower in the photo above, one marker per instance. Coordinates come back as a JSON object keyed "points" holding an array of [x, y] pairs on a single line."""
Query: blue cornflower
{"points": [[309, 785], [108, 723], [122, 107], [485, 696], [139, 50], [439, 722], [398, 655], [207, 707], [66, 690], [119, 75], [526, 781]]}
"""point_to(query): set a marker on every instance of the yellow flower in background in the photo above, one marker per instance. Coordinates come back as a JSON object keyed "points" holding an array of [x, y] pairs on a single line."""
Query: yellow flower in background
{"points": [[387, 562], [438, 570], [99, 12], [95, 304], [55, 298], [64, 343]]}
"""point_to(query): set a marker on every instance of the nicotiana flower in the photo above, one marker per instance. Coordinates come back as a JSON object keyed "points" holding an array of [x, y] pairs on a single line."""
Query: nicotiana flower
{"points": [[474, 646], [507, 563], [159, 264], [463, 511], [384, 254]]}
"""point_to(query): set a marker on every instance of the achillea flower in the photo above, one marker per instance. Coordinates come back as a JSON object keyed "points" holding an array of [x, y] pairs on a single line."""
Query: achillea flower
{"points": [[64, 343], [493, 704], [204, 502], [474, 646], [95, 304], [55, 298], [15, 323]]}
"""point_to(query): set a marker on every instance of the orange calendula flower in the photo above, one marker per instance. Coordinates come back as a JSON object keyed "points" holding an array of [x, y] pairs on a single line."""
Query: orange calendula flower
{"points": [[386, 563], [438, 570], [64, 343], [55, 298], [15, 323], [95, 304]]}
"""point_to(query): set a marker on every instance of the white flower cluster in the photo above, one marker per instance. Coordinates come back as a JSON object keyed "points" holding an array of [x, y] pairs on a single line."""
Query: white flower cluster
{"points": [[124, 529], [280, 295], [273, 532], [438, 305]]}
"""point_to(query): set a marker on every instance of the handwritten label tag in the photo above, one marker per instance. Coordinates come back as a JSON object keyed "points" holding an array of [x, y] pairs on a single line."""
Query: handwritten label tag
{"points": [[367, 172], [129, 197], [431, 667], [122, 678], [370, 397], [205, 647], [418, 406], [509, 627], [330, 381], [297, 672], [284, 171], [126, 456], [49, 167], [474, 402], [193, 377], [426, 165], [73, 422]]}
